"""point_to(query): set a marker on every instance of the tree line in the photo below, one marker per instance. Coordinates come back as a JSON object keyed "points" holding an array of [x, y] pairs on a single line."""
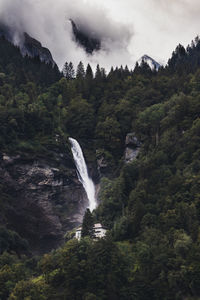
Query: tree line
{"points": [[150, 206]]}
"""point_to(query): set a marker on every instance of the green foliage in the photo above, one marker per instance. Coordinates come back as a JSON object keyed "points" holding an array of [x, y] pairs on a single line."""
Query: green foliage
{"points": [[87, 225], [30, 290], [11, 241], [151, 205], [68, 71], [108, 133]]}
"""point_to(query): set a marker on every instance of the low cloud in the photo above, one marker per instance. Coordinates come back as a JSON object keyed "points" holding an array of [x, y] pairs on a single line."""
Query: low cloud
{"points": [[49, 22], [127, 29]]}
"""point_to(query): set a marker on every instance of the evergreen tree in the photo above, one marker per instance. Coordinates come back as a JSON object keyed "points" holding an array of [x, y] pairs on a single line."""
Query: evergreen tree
{"points": [[89, 73], [68, 70], [88, 84], [137, 68], [126, 71], [143, 68], [80, 72], [88, 224], [98, 72]]}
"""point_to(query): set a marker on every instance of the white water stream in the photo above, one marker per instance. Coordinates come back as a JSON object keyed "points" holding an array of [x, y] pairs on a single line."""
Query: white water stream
{"points": [[83, 173]]}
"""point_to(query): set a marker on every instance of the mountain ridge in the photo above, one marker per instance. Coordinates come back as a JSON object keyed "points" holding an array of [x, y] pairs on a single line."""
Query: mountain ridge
{"points": [[27, 44], [152, 63]]}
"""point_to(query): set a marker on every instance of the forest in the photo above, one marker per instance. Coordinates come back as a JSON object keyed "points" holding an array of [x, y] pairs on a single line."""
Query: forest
{"points": [[151, 206]]}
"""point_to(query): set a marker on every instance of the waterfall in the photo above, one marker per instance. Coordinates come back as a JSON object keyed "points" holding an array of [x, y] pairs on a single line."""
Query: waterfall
{"points": [[83, 173]]}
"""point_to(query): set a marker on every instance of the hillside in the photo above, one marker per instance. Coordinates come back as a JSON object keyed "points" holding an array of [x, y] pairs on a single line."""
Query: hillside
{"points": [[150, 204]]}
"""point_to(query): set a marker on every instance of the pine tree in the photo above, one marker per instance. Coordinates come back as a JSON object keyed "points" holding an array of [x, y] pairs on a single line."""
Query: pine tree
{"points": [[98, 72], [68, 70], [88, 83], [88, 224], [126, 71], [89, 73], [80, 72]]}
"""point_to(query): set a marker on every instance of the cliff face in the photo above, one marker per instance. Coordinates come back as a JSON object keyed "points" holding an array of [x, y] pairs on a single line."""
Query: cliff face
{"points": [[47, 198], [28, 45], [84, 39], [33, 48]]}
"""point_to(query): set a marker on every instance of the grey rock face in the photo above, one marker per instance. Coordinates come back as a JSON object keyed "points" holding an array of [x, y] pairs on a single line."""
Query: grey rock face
{"points": [[130, 154], [33, 48], [28, 45], [103, 163], [131, 140], [47, 199], [132, 147]]}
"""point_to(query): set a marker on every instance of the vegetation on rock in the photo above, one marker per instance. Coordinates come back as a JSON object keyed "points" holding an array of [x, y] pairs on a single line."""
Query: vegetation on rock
{"points": [[150, 205]]}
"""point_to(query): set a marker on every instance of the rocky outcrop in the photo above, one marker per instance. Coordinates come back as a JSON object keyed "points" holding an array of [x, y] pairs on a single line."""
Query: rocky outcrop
{"points": [[105, 163], [85, 39], [27, 44], [102, 164], [132, 147], [34, 48], [46, 198]]}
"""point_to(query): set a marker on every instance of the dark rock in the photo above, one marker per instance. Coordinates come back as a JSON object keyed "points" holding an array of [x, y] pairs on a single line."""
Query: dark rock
{"points": [[130, 154], [33, 48], [103, 164], [47, 199], [131, 140], [28, 45], [84, 39], [132, 147]]}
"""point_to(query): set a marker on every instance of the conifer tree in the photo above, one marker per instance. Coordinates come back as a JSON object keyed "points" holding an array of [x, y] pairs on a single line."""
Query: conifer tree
{"points": [[80, 72], [88, 224], [98, 72], [68, 70], [89, 73], [126, 71]]}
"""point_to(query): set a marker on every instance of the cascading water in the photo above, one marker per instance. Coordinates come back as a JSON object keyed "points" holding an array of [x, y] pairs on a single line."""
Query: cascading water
{"points": [[83, 173]]}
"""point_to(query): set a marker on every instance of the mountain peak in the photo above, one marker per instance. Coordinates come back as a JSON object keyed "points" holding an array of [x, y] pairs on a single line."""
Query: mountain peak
{"points": [[154, 65]]}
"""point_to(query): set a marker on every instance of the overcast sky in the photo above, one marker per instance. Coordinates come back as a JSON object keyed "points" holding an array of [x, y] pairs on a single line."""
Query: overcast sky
{"points": [[128, 28]]}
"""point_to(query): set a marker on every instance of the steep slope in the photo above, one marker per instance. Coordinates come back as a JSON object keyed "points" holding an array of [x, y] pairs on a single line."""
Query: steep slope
{"points": [[27, 68], [46, 198], [33, 48], [28, 45], [150, 204]]}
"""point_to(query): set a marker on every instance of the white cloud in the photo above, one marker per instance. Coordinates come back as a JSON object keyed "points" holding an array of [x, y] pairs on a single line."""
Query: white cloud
{"points": [[48, 21], [128, 28]]}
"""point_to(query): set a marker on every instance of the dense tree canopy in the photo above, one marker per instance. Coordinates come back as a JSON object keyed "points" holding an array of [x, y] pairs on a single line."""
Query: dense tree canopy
{"points": [[150, 205]]}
